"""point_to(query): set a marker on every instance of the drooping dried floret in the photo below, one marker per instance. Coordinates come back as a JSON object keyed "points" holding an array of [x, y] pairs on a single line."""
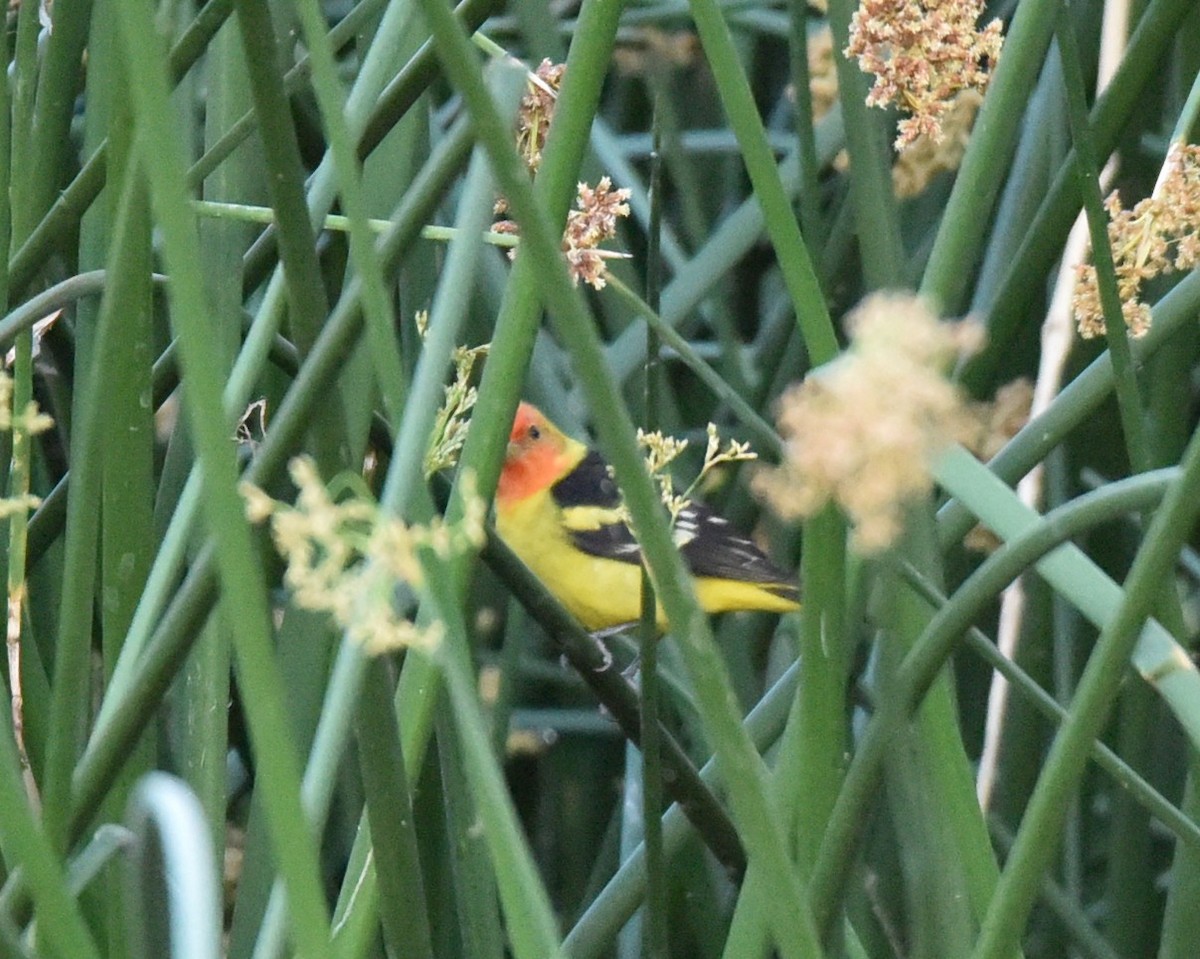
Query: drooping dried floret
{"points": [[537, 111], [923, 53], [927, 156], [591, 224], [1160, 234]]}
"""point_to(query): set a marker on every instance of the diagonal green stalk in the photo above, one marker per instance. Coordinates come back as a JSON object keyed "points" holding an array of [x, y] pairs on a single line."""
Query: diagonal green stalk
{"points": [[25, 844], [1129, 402], [812, 316], [623, 893], [404, 475], [72, 202], [1078, 400], [1157, 656], [145, 680], [742, 766], [1026, 546], [1129, 780], [1036, 843]]}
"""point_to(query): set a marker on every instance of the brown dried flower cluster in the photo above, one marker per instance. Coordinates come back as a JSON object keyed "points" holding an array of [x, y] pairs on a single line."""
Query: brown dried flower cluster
{"points": [[344, 556], [862, 431], [922, 53], [1160, 234], [598, 208], [928, 156], [591, 224], [537, 110]]}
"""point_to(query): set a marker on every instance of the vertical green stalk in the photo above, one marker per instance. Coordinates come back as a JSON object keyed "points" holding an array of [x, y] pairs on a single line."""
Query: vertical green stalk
{"points": [[1087, 169], [816, 740], [959, 239], [54, 105], [205, 688], [812, 752], [17, 122], [297, 245], [19, 466], [1181, 919], [808, 204], [390, 816], [127, 439], [655, 943], [475, 885], [943, 844], [870, 164], [377, 304], [812, 315], [243, 592]]}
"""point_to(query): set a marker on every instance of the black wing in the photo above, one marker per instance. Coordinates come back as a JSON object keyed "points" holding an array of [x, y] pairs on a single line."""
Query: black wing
{"points": [[709, 544], [711, 547], [587, 496]]}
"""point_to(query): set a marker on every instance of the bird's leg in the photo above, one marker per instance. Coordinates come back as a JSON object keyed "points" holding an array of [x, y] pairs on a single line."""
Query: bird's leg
{"points": [[598, 637]]}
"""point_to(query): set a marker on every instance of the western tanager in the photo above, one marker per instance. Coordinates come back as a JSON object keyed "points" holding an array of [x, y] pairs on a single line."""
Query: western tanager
{"points": [[559, 510]]}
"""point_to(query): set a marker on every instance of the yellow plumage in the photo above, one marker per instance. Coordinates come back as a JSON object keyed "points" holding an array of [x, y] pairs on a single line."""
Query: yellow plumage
{"points": [[557, 509]]}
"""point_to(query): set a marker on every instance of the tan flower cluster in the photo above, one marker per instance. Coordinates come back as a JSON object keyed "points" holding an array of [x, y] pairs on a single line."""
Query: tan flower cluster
{"points": [[922, 53], [344, 557], [1160, 234], [1002, 418], [29, 422], [662, 451], [450, 428], [537, 110], [591, 224], [862, 431], [928, 156]]}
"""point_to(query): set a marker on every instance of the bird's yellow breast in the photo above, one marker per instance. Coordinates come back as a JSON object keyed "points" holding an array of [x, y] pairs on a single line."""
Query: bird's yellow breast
{"points": [[602, 592], [598, 592]]}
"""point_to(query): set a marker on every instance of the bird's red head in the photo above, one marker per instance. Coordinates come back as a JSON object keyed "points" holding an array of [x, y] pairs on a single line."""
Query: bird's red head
{"points": [[537, 451]]}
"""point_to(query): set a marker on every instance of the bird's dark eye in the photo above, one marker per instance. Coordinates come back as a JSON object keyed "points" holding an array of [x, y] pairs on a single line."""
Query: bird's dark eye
{"points": [[534, 433]]}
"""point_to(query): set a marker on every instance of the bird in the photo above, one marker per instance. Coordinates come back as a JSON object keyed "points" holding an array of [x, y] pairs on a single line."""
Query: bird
{"points": [[559, 510]]}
